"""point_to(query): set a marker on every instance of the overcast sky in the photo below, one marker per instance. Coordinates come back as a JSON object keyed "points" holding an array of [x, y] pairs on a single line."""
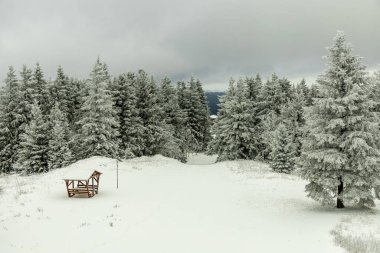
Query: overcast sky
{"points": [[209, 39]]}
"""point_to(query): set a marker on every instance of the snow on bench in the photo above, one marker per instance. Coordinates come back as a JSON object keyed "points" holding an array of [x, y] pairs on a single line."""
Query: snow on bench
{"points": [[84, 182]]}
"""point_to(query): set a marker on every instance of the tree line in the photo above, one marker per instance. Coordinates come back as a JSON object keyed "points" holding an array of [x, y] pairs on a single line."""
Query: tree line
{"points": [[329, 131], [47, 125]]}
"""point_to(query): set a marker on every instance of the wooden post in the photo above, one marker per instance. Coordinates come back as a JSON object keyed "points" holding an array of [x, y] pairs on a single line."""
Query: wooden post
{"points": [[117, 173]]}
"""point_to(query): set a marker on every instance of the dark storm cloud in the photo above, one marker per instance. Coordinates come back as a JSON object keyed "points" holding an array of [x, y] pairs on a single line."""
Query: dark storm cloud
{"points": [[211, 40]]}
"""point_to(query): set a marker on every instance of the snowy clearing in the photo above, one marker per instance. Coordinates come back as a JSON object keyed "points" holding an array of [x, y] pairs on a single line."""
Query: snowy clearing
{"points": [[163, 205]]}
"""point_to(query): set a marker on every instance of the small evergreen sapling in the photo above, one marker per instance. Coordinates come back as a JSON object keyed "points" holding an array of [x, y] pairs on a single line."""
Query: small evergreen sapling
{"points": [[282, 151]]}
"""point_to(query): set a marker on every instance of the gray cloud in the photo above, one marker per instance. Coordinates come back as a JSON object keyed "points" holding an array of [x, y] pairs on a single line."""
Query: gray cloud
{"points": [[212, 40]]}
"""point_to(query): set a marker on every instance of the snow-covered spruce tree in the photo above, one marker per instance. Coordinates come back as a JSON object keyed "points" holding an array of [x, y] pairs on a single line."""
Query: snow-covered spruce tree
{"points": [[32, 153], [11, 121], [174, 120], [234, 130], [78, 91], [60, 91], [341, 154], [97, 134], [314, 93], [39, 90], [195, 112], [150, 135], [273, 95], [128, 115], [254, 85], [27, 91], [205, 116], [170, 105], [302, 88], [189, 140], [293, 116], [374, 90], [217, 142], [59, 153], [282, 154]]}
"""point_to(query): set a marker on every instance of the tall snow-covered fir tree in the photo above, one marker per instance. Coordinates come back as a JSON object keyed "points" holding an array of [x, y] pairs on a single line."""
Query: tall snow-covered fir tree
{"points": [[128, 115], [39, 90], [195, 114], [234, 130], [174, 127], [78, 91], [314, 92], [11, 120], [97, 134], [205, 116], [189, 141], [193, 103], [254, 85], [32, 153], [59, 154], [150, 136], [293, 116], [303, 89], [218, 143], [341, 154], [27, 91], [170, 105], [282, 155], [60, 91], [374, 90], [273, 95]]}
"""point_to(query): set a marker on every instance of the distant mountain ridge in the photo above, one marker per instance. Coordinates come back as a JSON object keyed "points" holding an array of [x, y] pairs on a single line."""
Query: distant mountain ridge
{"points": [[213, 101]]}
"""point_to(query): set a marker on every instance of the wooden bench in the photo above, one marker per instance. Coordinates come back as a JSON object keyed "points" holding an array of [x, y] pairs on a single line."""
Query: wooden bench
{"points": [[89, 186]]}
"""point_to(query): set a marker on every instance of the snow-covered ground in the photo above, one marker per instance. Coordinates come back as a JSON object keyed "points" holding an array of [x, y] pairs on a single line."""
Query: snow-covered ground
{"points": [[163, 205]]}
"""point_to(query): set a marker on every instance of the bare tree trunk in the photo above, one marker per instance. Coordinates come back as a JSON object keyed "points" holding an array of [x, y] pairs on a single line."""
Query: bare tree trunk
{"points": [[339, 200]]}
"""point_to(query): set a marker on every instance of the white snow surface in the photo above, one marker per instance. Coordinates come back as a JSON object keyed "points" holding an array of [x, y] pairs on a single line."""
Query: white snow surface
{"points": [[163, 205]]}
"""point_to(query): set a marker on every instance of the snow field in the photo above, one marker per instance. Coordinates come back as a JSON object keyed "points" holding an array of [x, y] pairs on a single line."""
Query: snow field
{"points": [[163, 205]]}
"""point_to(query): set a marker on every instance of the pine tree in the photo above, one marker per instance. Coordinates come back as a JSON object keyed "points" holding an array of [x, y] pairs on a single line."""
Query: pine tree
{"points": [[11, 121], [195, 115], [170, 105], [314, 93], [32, 155], [39, 90], [27, 92], [305, 91], [189, 141], [204, 117], [234, 130], [282, 150], [59, 154], [374, 90], [254, 85], [174, 122], [341, 153], [273, 96], [60, 91], [78, 91], [218, 142], [128, 115], [150, 135], [97, 134], [293, 116]]}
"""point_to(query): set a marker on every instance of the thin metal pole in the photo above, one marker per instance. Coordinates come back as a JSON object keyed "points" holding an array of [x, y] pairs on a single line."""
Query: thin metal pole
{"points": [[117, 173]]}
